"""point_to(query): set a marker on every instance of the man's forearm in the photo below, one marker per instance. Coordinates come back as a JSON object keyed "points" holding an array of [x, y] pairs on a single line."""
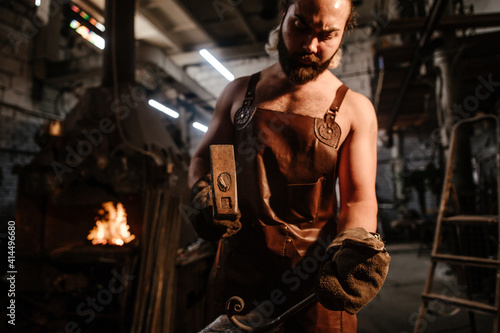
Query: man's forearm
{"points": [[358, 215]]}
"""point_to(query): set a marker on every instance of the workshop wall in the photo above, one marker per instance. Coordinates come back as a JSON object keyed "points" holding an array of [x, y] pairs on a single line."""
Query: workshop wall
{"points": [[20, 117], [29, 44]]}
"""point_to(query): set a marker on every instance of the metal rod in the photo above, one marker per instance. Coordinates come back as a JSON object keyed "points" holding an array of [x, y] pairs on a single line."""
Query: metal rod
{"points": [[33, 113]]}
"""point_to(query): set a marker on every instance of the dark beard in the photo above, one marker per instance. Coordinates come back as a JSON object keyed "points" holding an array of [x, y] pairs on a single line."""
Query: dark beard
{"points": [[295, 70]]}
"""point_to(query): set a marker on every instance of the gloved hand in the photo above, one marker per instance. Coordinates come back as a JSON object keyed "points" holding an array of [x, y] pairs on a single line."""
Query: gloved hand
{"points": [[355, 273], [202, 217]]}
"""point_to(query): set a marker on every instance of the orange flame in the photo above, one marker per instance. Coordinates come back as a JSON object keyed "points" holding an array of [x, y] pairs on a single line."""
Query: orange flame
{"points": [[112, 227]]}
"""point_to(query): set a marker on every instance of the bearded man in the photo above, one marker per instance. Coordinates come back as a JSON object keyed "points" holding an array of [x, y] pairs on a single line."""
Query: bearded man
{"points": [[296, 129]]}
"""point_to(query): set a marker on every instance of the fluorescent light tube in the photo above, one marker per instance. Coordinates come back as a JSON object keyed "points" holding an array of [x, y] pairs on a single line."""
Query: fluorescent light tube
{"points": [[200, 127], [163, 108], [216, 64]]}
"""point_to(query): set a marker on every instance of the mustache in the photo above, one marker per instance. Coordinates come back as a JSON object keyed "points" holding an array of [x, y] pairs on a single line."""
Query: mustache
{"points": [[311, 59]]}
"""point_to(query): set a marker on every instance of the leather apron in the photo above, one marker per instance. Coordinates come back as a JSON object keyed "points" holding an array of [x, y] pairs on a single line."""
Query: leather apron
{"points": [[286, 168]]}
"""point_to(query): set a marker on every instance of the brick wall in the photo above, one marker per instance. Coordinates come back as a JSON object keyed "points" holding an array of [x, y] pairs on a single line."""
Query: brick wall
{"points": [[20, 116], [28, 101], [356, 69], [214, 82]]}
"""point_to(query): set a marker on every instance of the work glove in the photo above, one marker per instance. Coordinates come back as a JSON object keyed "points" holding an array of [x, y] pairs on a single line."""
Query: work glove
{"points": [[356, 272], [202, 217]]}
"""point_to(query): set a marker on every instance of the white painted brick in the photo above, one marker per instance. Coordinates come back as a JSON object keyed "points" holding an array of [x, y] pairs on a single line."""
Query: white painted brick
{"points": [[214, 82], [10, 65], [47, 106], [50, 93], [6, 112], [20, 117], [22, 84], [15, 98], [17, 46], [5, 81], [359, 83]]}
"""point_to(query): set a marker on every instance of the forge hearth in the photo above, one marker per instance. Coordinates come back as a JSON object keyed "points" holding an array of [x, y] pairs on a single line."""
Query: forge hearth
{"points": [[136, 164], [47, 225]]}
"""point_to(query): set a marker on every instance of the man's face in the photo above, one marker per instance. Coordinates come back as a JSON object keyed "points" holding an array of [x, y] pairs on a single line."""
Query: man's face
{"points": [[310, 35]]}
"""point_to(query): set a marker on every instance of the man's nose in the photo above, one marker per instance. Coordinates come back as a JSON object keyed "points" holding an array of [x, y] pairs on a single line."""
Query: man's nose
{"points": [[311, 44]]}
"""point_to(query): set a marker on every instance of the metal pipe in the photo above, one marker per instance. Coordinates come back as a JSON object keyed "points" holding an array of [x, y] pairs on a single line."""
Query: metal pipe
{"points": [[120, 40], [430, 23], [33, 113]]}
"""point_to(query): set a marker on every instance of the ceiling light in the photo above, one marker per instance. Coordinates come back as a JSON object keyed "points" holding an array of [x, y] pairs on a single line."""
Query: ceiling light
{"points": [[163, 108], [38, 3], [200, 127], [217, 65]]}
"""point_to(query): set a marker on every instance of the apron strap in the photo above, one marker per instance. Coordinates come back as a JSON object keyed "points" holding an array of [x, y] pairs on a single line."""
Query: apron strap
{"points": [[245, 112], [328, 131], [339, 98], [250, 94]]}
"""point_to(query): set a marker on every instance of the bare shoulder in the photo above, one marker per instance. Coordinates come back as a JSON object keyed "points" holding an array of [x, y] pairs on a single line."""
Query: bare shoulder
{"points": [[236, 86], [359, 111], [232, 96]]}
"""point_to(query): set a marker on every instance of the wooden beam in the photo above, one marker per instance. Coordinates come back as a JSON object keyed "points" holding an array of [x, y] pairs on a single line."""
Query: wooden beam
{"points": [[408, 25]]}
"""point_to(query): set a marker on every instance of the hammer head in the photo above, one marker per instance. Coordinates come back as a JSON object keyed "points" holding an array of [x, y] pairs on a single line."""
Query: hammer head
{"points": [[223, 169]]}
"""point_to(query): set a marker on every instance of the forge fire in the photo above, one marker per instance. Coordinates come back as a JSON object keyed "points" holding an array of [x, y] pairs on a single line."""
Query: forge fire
{"points": [[111, 226]]}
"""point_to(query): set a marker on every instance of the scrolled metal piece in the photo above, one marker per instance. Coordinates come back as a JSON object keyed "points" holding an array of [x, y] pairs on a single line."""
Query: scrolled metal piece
{"points": [[235, 305]]}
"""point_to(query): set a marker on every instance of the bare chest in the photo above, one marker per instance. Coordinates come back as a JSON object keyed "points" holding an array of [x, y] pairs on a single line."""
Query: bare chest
{"points": [[310, 102], [313, 104]]}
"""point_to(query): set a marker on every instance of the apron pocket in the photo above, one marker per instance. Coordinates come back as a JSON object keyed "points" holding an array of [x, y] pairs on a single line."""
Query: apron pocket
{"points": [[303, 202]]}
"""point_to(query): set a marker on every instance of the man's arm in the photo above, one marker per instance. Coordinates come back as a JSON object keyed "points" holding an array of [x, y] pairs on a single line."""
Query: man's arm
{"points": [[358, 167], [220, 131], [360, 261]]}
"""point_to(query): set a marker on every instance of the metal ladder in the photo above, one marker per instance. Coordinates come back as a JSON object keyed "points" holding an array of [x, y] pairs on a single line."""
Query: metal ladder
{"points": [[457, 220]]}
